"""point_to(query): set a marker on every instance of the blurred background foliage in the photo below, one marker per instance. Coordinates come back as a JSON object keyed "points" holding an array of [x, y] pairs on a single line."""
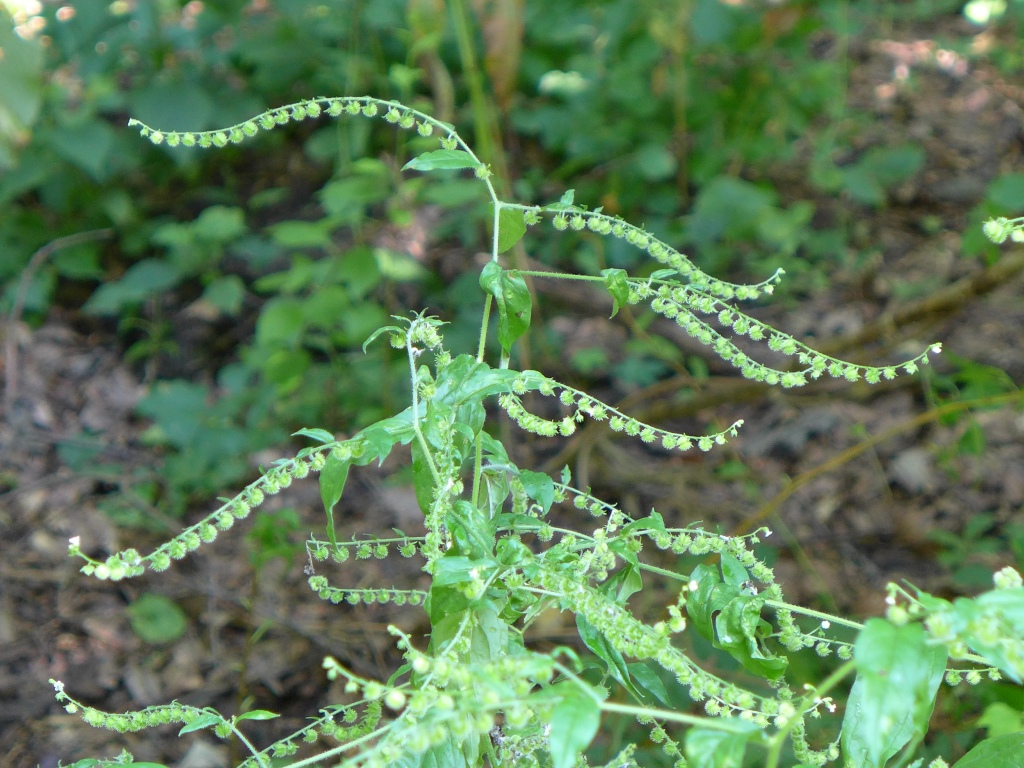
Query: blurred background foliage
{"points": [[243, 282]]}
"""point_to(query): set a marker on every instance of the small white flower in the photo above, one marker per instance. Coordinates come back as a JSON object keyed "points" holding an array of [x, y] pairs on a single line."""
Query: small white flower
{"points": [[75, 541]]}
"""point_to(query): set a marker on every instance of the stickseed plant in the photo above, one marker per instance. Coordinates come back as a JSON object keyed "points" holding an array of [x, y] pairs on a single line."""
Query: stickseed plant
{"points": [[476, 693]]}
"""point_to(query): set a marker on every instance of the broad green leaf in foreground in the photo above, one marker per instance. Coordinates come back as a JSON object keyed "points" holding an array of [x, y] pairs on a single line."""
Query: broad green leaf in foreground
{"points": [[706, 748], [574, 723], [898, 674], [1005, 751]]}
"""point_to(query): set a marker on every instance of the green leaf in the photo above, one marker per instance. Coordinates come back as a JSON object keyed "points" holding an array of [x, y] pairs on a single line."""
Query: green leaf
{"points": [[733, 571], [257, 714], [320, 435], [731, 619], [513, 301], [740, 630], [706, 748], [21, 89], [441, 160], [381, 437], [626, 581], [281, 323], [1000, 752], [1003, 608], [301, 234], [332, 485], [648, 681], [655, 162], [574, 723], [219, 224], [613, 659], [511, 228], [473, 533], [157, 619], [201, 722], [226, 294], [89, 144], [453, 752], [467, 380], [898, 674], [615, 283], [1008, 193], [422, 478], [140, 281], [710, 596], [539, 487], [489, 641], [1000, 719]]}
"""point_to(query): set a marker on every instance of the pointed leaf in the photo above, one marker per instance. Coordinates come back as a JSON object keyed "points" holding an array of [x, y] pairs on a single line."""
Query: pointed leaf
{"points": [[201, 722], [257, 714], [1004, 607], [648, 681], [511, 227], [422, 478], [1000, 752], [739, 630], [513, 300], [539, 487], [441, 159], [574, 723], [733, 571], [613, 659], [706, 748], [332, 485], [320, 435], [615, 283], [898, 674]]}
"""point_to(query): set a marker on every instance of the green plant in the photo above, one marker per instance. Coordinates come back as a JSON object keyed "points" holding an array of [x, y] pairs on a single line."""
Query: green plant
{"points": [[498, 554]]}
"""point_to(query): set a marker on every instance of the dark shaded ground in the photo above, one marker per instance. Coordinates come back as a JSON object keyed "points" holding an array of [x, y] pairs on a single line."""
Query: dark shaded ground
{"points": [[841, 537]]}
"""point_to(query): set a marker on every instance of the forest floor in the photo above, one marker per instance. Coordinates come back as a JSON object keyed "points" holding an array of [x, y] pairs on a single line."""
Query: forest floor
{"points": [[855, 481]]}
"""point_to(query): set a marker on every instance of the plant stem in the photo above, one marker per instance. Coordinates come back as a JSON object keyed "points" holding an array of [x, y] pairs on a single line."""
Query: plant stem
{"points": [[814, 614], [714, 723], [779, 738]]}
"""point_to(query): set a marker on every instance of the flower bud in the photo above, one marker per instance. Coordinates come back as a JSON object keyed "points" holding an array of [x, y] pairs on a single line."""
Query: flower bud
{"points": [[996, 230]]}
